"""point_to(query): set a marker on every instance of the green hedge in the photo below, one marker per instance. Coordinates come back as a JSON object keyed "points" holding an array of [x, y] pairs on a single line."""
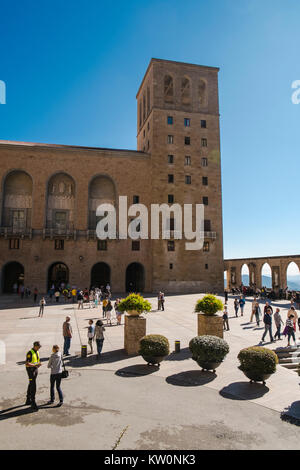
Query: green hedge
{"points": [[258, 359], [209, 305], [154, 345], [134, 302], [208, 348]]}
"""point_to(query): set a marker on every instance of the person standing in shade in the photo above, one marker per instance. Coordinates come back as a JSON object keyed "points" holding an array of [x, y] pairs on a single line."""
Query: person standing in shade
{"points": [[35, 294], [278, 322], [99, 337], [55, 364], [42, 305], [236, 306], [32, 365], [242, 304], [67, 334], [225, 319], [268, 325], [57, 295], [226, 296]]}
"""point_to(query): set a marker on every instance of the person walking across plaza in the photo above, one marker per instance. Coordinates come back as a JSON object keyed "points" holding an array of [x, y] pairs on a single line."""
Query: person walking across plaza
{"points": [[55, 364], [80, 300], [99, 337], [226, 296], [257, 313], [268, 325], [242, 304], [292, 312], [236, 306], [253, 309], [159, 301], [162, 301], [91, 334], [290, 330], [32, 365], [108, 310], [225, 319], [278, 322], [67, 334], [104, 304], [42, 306]]}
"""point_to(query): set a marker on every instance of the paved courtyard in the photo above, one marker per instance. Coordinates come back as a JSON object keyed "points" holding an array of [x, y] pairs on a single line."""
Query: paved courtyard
{"points": [[121, 403]]}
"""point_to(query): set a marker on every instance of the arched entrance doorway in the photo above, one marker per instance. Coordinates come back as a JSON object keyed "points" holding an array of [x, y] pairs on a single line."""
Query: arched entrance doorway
{"points": [[100, 275], [135, 278], [12, 275], [58, 273]]}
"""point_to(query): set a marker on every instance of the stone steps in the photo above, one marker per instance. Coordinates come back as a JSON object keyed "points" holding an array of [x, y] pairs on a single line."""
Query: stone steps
{"points": [[289, 357]]}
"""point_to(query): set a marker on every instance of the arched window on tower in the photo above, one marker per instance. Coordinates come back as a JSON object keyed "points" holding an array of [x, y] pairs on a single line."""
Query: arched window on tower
{"points": [[148, 100], [144, 107], [168, 89], [140, 113], [186, 91], [202, 93]]}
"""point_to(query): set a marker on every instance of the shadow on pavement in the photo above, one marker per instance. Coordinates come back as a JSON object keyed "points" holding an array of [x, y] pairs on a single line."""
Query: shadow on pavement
{"points": [[244, 391], [291, 414], [184, 354], [137, 370], [15, 414], [106, 358], [191, 378]]}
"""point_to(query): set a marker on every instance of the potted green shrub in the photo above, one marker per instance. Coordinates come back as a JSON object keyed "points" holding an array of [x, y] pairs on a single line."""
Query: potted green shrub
{"points": [[208, 351], [257, 363], [134, 305], [153, 349], [209, 323]]}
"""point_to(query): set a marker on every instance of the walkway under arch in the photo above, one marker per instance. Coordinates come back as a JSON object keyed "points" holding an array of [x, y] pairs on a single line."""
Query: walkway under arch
{"points": [[12, 274], [135, 277], [100, 275]]}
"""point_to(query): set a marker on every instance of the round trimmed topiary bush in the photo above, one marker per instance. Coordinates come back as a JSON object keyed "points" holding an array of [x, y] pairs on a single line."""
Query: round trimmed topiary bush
{"points": [[134, 304], [209, 305], [208, 351], [257, 363], [153, 348]]}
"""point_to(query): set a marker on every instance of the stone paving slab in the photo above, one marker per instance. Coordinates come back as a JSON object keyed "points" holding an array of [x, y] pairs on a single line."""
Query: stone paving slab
{"points": [[178, 374]]}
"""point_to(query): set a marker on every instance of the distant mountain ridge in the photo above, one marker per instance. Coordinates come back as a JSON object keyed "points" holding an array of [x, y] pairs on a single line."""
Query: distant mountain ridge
{"points": [[293, 281]]}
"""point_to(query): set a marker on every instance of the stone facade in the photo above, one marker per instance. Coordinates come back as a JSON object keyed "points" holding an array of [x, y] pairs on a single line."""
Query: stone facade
{"points": [[49, 194]]}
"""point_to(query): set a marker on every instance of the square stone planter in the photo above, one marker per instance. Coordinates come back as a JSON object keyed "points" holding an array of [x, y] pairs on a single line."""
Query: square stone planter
{"points": [[135, 329], [210, 325]]}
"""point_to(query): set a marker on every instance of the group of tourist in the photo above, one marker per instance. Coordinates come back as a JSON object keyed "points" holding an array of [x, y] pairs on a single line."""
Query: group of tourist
{"points": [[268, 316]]}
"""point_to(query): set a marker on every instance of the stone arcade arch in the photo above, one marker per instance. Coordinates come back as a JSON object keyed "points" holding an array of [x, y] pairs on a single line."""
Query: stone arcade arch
{"points": [[292, 275], [135, 278], [266, 276], [100, 275], [245, 275], [60, 210], [12, 273], [57, 273], [101, 190], [17, 201]]}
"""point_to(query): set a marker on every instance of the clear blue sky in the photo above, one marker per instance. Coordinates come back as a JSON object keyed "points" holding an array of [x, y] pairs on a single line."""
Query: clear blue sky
{"points": [[72, 69]]}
